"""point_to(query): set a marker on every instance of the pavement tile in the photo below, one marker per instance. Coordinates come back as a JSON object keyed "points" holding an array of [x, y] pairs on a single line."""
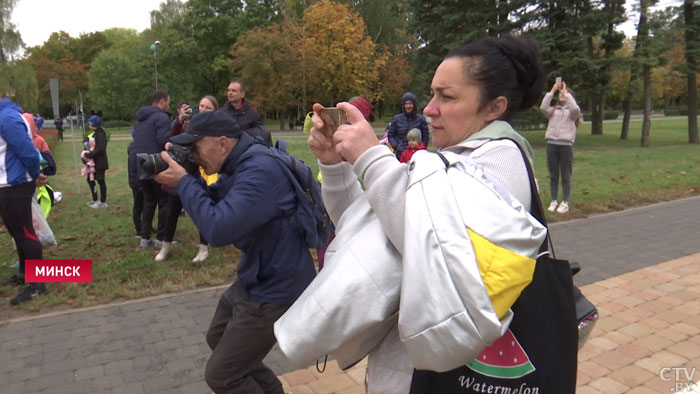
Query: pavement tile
{"points": [[593, 369], [632, 375], [331, 384], [641, 390], [299, 377], [303, 389], [609, 323], [353, 390], [637, 330], [687, 349], [614, 360], [618, 337], [608, 385], [602, 343], [635, 351], [654, 342], [673, 335], [587, 390], [582, 379], [670, 359], [331, 369]]}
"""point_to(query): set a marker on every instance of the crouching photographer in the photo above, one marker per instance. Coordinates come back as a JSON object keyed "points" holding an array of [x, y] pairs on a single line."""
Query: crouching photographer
{"points": [[249, 207]]}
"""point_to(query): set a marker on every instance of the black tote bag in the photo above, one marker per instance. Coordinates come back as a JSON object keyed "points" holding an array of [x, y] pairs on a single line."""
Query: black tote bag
{"points": [[538, 353]]}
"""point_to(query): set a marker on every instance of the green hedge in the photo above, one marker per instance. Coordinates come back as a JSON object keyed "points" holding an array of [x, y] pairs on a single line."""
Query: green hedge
{"points": [[532, 119], [609, 115], [117, 124], [676, 112]]}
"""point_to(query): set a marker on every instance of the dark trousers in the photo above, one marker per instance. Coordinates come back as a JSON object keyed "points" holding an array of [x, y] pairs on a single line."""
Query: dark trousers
{"points": [[560, 160], [172, 217], [100, 178], [137, 209], [153, 196], [16, 213], [240, 337]]}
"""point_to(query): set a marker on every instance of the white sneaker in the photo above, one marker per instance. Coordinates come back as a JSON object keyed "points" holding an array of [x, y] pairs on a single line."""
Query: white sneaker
{"points": [[563, 207], [202, 254], [552, 206], [93, 204], [164, 251]]}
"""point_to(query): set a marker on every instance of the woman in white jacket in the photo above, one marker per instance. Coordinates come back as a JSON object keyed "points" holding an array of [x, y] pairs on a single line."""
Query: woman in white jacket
{"points": [[560, 136], [476, 89]]}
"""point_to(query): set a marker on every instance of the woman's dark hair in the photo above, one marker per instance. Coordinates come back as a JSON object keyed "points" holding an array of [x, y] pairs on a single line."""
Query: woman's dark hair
{"points": [[504, 66]]}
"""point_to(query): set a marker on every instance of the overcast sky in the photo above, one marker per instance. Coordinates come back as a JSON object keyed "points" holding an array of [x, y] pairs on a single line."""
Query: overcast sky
{"points": [[37, 19]]}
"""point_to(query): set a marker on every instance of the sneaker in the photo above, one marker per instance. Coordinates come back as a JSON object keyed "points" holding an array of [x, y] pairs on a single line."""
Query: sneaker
{"points": [[145, 243], [552, 206], [202, 253], [563, 207], [14, 265], [14, 280], [93, 204], [157, 243], [102, 205], [164, 251], [28, 293]]}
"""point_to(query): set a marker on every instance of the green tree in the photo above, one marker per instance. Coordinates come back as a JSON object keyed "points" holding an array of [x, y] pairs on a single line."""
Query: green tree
{"points": [[17, 80], [116, 85], [10, 39]]}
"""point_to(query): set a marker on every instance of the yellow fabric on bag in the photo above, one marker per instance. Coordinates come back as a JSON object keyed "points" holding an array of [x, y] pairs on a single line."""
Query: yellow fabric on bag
{"points": [[42, 196], [504, 272]]}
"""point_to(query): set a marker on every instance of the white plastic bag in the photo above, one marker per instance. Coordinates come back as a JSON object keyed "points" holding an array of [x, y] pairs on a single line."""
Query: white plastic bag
{"points": [[41, 226]]}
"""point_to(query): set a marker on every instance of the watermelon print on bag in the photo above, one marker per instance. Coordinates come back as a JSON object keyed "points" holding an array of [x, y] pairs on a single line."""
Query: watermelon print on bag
{"points": [[504, 359]]}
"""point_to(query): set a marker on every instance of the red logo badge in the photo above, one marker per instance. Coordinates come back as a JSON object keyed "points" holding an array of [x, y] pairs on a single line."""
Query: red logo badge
{"points": [[58, 271]]}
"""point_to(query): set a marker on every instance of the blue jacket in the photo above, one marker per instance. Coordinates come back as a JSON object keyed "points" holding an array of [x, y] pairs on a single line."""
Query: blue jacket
{"points": [[151, 131], [19, 159], [404, 122], [250, 207], [131, 164]]}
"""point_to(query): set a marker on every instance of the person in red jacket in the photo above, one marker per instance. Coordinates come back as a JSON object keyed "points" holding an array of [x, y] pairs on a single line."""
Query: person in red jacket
{"points": [[414, 145]]}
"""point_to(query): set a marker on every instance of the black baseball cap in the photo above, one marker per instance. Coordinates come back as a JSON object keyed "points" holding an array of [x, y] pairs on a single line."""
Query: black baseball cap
{"points": [[208, 124]]}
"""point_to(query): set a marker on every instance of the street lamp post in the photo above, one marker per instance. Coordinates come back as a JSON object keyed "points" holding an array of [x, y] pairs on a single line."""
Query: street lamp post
{"points": [[154, 48]]}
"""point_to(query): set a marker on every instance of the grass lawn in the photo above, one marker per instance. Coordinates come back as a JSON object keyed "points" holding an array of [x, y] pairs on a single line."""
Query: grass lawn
{"points": [[609, 174]]}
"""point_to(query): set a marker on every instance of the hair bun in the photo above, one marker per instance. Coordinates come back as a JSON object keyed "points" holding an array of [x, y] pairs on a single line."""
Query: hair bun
{"points": [[527, 61]]}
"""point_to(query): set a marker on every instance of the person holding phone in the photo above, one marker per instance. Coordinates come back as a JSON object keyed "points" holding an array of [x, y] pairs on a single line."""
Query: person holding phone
{"points": [[563, 123]]}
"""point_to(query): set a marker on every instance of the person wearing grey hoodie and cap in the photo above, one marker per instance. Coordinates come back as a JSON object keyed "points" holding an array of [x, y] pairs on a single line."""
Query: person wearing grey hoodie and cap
{"points": [[405, 121]]}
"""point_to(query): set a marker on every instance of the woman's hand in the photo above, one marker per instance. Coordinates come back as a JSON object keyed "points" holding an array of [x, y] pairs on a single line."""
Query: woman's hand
{"points": [[184, 113], [563, 90], [555, 87], [353, 139]]}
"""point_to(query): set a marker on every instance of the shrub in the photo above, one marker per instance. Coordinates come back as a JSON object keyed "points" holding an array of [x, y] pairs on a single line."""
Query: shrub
{"points": [[532, 119], [50, 136], [609, 115], [676, 112], [117, 124]]}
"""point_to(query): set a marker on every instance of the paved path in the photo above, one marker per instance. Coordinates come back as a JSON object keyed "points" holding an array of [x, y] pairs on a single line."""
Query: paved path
{"points": [[156, 345]]}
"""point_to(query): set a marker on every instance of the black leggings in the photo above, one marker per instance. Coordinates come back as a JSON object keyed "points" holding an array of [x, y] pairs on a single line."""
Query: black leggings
{"points": [[16, 213], [560, 160], [100, 178]]}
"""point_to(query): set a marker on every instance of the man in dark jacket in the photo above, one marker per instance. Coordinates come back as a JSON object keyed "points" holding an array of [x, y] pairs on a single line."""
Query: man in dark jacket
{"points": [[247, 117], [249, 207], [151, 132], [405, 121]]}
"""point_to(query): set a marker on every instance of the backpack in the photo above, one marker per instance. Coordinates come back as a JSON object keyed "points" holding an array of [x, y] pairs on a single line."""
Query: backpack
{"points": [[310, 215]]}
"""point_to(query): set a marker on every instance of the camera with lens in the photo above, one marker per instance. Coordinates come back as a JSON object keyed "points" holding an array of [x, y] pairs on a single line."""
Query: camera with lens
{"points": [[153, 164]]}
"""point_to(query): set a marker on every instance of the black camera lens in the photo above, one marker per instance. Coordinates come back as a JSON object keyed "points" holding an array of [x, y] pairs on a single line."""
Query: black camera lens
{"points": [[151, 163]]}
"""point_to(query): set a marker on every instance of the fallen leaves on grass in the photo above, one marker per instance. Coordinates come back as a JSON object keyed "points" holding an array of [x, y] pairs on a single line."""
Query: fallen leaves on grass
{"points": [[67, 238]]}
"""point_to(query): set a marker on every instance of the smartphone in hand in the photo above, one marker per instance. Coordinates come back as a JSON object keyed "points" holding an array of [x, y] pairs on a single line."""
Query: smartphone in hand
{"points": [[332, 118]]}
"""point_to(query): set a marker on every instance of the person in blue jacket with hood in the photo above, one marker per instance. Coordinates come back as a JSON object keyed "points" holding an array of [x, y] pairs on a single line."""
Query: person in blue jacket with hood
{"points": [[249, 207], [20, 174], [405, 121]]}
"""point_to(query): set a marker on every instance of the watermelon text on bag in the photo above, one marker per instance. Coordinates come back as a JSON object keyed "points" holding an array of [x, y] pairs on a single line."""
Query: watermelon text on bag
{"points": [[538, 353], [310, 215]]}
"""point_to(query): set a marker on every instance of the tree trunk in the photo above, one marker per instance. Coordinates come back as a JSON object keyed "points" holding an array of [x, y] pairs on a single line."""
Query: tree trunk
{"points": [[690, 55], [596, 112], [646, 124], [627, 107]]}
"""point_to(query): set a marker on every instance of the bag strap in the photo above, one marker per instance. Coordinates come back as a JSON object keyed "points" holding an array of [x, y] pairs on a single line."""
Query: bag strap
{"points": [[536, 208]]}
